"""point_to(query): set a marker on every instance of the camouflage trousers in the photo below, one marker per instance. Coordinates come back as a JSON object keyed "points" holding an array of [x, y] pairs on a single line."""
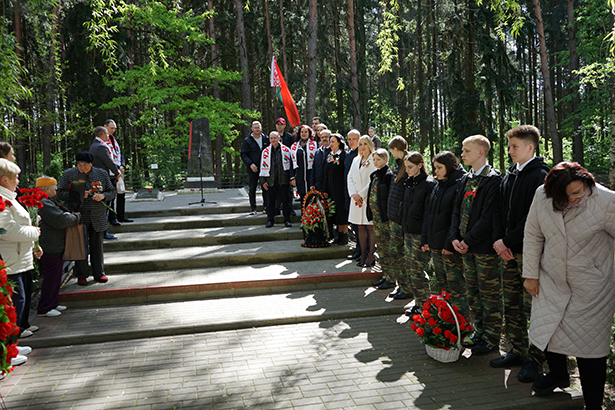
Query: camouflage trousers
{"points": [[517, 309], [449, 276], [397, 265], [416, 264], [484, 287], [382, 232]]}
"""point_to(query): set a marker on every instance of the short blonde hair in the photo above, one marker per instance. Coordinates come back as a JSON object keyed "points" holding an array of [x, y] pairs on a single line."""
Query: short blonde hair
{"points": [[8, 169], [368, 141], [480, 140]]}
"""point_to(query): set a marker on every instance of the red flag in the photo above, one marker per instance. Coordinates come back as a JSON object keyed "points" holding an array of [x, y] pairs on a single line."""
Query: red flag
{"points": [[289, 104]]}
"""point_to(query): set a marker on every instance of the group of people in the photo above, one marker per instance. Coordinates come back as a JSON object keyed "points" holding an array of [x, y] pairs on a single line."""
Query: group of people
{"points": [[532, 247], [87, 191]]}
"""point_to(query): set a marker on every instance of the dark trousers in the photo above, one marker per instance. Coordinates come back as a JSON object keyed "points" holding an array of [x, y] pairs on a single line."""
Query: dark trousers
{"points": [[22, 297], [52, 280], [97, 260], [274, 192], [121, 207], [253, 183], [592, 372]]}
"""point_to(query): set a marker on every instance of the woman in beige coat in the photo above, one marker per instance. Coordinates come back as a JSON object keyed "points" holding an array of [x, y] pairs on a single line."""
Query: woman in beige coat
{"points": [[569, 270]]}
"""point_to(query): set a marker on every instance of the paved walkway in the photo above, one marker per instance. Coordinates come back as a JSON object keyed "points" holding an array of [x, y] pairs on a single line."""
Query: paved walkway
{"points": [[314, 349]]}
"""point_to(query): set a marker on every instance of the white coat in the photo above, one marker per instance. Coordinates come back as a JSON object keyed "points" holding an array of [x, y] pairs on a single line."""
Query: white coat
{"points": [[16, 244], [572, 258], [358, 183]]}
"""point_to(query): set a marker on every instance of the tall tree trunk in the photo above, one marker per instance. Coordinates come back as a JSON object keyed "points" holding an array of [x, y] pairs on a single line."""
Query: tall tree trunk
{"points": [[339, 92], [612, 88], [246, 98], [311, 67], [420, 77], [356, 108], [362, 64], [469, 80], [216, 95], [51, 94], [19, 120], [283, 35], [577, 137], [271, 97], [549, 104]]}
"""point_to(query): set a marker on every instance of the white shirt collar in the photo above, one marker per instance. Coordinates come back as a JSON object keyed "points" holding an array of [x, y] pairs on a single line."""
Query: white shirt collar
{"points": [[521, 166], [479, 170]]}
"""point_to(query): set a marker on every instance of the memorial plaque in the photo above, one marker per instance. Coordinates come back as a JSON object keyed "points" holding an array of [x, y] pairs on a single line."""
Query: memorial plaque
{"points": [[200, 157]]}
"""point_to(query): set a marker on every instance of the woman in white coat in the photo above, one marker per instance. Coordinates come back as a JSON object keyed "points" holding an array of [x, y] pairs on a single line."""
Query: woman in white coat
{"points": [[358, 186], [568, 265]]}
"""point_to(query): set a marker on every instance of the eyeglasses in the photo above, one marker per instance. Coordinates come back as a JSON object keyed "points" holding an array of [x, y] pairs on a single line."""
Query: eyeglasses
{"points": [[577, 196]]}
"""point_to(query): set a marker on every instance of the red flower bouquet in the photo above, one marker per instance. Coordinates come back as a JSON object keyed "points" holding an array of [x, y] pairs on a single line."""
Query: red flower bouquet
{"points": [[8, 329], [316, 210], [437, 327], [32, 199]]}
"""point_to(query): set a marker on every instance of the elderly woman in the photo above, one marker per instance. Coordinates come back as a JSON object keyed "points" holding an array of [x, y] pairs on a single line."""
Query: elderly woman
{"points": [[16, 246], [569, 270], [358, 188], [86, 189], [54, 220], [334, 185]]}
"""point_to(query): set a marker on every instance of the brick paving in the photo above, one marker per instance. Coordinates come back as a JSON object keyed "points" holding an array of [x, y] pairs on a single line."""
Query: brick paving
{"points": [[317, 349]]}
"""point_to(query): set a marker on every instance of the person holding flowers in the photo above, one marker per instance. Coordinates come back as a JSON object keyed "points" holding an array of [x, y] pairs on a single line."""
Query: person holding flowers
{"points": [[334, 185], [86, 189], [17, 243], [358, 185], [54, 220]]}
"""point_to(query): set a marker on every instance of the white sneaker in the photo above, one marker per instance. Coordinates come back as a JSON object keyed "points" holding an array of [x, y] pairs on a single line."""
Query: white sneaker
{"points": [[24, 350], [52, 313], [60, 308], [25, 333], [19, 359], [32, 328]]}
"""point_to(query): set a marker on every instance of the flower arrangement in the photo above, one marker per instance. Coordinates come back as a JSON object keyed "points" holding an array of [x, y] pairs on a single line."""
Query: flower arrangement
{"points": [[32, 200], [316, 212], [436, 325], [8, 328]]}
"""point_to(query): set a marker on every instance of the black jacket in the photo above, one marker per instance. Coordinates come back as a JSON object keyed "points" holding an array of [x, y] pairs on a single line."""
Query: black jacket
{"points": [[102, 159], [318, 169], [396, 196], [385, 176], [515, 198], [439, 211], [418, 190], [287, 139], [479, 235], [54, 221], [250, 151]]}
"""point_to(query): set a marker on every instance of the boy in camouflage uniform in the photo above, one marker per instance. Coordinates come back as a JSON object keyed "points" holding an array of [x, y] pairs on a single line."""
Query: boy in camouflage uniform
{"points": [[472, 230], [515, 198]]}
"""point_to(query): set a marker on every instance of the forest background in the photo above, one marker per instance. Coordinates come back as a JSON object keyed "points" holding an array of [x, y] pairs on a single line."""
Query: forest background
{"points": [[432, 71]]}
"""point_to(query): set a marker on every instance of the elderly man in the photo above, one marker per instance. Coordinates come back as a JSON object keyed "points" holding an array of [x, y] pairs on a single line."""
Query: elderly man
{"points": [[85, 189], [251, 150], [120, 161], [275, 175]]}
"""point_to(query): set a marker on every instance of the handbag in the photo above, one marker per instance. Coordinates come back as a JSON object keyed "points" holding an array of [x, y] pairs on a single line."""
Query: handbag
{"points": [[74, 243], [120, 186]]}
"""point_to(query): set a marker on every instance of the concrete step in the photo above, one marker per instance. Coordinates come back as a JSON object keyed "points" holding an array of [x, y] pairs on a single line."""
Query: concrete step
{"points": [[173, 222], [165, 259], [222, 281], [185, 210], [99, 325], [177, 238]]}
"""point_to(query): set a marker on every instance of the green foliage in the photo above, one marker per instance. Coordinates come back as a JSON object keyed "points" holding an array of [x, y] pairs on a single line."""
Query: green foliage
{"points": [[172, 86], [388, 36]]}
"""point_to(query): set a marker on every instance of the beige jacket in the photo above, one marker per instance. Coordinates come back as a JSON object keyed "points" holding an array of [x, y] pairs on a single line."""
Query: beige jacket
{"points": [[572, 258]]}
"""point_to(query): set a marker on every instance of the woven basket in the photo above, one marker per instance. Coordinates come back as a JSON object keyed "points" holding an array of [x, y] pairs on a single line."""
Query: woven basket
{"points": [[446, 356]]}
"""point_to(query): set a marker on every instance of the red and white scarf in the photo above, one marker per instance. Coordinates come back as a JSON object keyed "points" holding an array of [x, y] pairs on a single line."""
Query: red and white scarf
{"points": [[266, 160], [310, 148], [109, 146]]}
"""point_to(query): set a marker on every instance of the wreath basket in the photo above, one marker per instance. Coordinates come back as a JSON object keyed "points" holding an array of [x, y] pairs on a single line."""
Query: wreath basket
{"points": [[314, 214]]}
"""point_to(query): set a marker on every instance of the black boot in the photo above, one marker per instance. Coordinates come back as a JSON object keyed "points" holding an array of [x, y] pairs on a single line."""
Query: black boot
{"points": [[343, 239]]}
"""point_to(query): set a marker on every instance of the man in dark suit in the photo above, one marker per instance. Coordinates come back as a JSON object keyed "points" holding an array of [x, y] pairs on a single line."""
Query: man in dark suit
{"points": [[251, 150], [103, 154], [98, 189]]}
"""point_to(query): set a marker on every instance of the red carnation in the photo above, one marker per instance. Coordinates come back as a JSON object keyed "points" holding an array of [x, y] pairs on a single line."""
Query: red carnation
{"points": [[420, 331], [11, 352], [447, 333], [6, 329], [452, 338], [432, 322], [413, 326], [426, 314], [426, 306], [437, 330], [422, 321]]}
